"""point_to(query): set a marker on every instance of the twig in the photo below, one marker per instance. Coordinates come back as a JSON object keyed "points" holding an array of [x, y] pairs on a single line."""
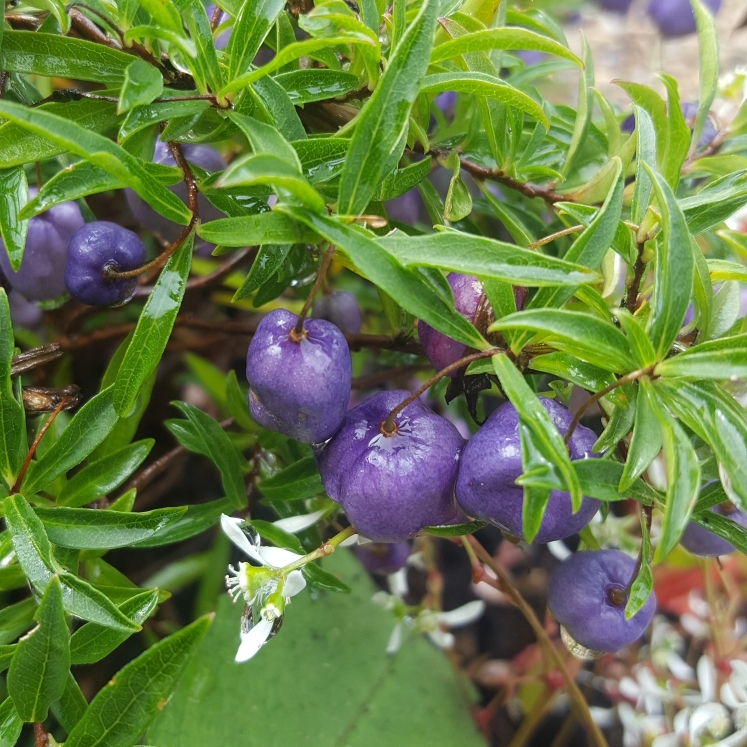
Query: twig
{"points": [[297, 334], [553, 236], [40, 736], [631, 300]]}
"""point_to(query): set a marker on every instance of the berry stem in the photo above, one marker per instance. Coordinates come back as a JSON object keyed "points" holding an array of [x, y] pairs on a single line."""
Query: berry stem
{"points": [[111, 274], [632, 376], [544, 640], [388, 427], [297, 333], [553, 236], [322, 551]]}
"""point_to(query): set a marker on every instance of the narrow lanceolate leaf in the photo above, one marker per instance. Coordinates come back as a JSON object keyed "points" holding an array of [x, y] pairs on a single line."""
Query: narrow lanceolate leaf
{"points": [[479, 255], [683, 478], [13, 196], [219, 448], [296, 482], [708, 71], [408, 288], [643, 583], [205, 66], [86, 528], [378, 140], [13, 445], [106, 474], [58, 56], [153, 328], [675, 265], [126, 705], [584, 107], [252, 24], [259, 230], [41, 661], [645, 153], [10, 723], [677, 140], [84, 433], [535, 418], [600, 479], [142, 83], [725, 358], [646, 441], [722, 527], [34, 554]]}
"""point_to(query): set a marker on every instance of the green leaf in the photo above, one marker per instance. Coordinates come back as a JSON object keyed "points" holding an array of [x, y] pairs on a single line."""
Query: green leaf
{"points": [[69, 709], [570, 368], [708, 70], [236, 402], [377, 143], [91, 642], [83, 434], [600, 479], [639, 343], [479, 255], [127, 704], [403, 180], [15, 619], [409, 289], [722, 527], [584, 109], [142, 83], [296, 482], [677, 140], [10, 724], [646, 441], [534, 417], [251, 26], [456, 530], [205, 66], [322, 159], [277, 107], [645, 153], [86, 528], [219, 448], [458, 202], [643, 584], [102, 152], [575, 332], [401, 701], [279, 537], [321, 579], [104, 475], [13, 443], [489, 86], [153, 329], [316, 84], [673, 277], [41, 661], [725, 358], [260, 230], [13, 196], [715, 202], [268, 263], [58, 56]]}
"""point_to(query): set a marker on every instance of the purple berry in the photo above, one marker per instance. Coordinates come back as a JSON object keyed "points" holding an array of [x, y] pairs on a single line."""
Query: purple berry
{"points": [[407, 208], [392, 486], [201, 155], [40, 277], [700, 541], [675, 17], [383, 558], [615, 6], [491, 462], [300, 389], [95, 247], [342, 309], [582, 597]]}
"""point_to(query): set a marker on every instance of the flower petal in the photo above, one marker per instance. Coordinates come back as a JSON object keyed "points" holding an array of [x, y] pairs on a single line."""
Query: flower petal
{"points": [[463, 615], [294, 583], [295, 524], [441, 638], [395, 639], [253, 641], [277, 557], [232, 529], [398, 583], [707, 678]]}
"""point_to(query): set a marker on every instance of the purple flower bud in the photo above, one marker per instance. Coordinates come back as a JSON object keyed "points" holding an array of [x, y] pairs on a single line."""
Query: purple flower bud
{"points": [[700, 541], [392, 486], [41, 275], [381, 558], [675, 17], [342, 309], [95, 247]]}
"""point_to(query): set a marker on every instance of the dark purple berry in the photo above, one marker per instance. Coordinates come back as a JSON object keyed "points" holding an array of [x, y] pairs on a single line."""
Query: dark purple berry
{"points": [[700, 541], [201, 155], [41, 274], [675, 17], [491, 462], [407, 208], [615, 6], [392, 486], [383, 558], [95, 247], [342, 309], [587, 596], [298, 388]]}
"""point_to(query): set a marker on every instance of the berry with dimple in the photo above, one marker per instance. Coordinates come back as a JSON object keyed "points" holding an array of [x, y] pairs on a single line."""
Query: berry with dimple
{"points": [[201, 155], [41, 274], [393, 485], [675, 17], [94, 248], [491, 462], [587, 595], [699, 541], [383, 558], [342, 309], [298, 387]]}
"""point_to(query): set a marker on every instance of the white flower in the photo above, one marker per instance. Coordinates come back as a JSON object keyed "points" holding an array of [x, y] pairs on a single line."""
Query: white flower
{"points": [[436, 624]]}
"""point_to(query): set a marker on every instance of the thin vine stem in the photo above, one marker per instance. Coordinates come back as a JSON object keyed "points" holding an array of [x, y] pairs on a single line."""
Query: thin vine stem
{"points": [[553, 236], [298, 332]]}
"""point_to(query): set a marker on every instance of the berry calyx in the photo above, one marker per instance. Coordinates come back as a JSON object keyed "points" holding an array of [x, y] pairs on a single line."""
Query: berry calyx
{"points": [[96, 248]]}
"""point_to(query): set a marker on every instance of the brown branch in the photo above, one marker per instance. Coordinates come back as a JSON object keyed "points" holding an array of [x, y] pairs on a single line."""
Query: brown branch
{"points": [[34, 357], [40, 736], [631, 300], [89, 30]]}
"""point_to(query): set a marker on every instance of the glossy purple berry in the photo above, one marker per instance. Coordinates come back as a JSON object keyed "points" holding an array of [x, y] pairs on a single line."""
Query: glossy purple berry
{"points": [[93, 248], [383, 558], [699, 541], [675, 17], [491, 462], [587, 597], [298, 388], [201, 155], [41, 275], [392, 486], [342, 309]]}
